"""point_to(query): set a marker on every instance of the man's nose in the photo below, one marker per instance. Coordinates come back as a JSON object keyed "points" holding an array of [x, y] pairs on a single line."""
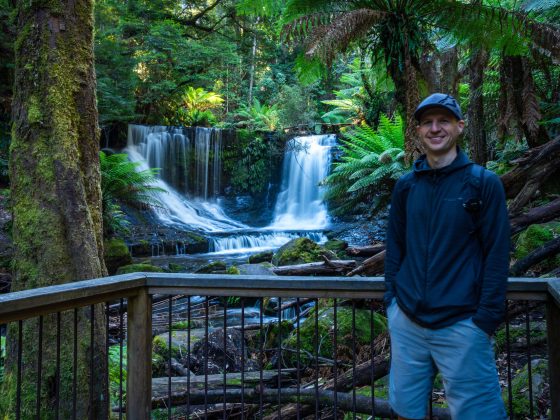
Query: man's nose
{"points": [[435, 126]]}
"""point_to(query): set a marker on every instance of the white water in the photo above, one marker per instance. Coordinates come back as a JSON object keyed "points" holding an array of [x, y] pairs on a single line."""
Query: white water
{"points": [[189, 185], [300, 205]]}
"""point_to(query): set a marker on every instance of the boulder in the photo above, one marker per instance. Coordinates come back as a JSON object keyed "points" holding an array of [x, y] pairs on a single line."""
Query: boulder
{"points": [[300, 251], [116, 254], [255, 269], [139, 268], [213, 267], [261, 257], [344, 329]]}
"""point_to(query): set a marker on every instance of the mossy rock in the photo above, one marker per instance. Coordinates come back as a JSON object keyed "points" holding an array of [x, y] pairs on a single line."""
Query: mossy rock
{"points": [[520, 389], [336, 245], [216, 266], [534, 237], [176, 268], [233, 270], [116, 254], [300, 251], [344, 329], [262, 269], [139, 268], [518, 335], [261, 257]]}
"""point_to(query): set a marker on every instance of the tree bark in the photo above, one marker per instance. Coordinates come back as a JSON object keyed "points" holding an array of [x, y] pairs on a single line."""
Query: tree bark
{"points": [[365, 251], [476, 133], [326, 268], [541, 253], [372, 266], [540, 214], [57, 223]]}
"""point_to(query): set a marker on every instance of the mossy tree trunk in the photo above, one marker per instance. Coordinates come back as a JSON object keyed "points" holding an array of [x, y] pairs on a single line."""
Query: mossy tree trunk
{"points": [[57, 224]]}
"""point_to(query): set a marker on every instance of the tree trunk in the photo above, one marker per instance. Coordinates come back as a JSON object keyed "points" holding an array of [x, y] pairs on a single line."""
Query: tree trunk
{"points": [[476, 133], [57, 224]]}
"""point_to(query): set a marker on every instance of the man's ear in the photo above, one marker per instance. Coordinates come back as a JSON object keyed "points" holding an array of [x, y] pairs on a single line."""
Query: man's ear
{"points": [[461, 125]]}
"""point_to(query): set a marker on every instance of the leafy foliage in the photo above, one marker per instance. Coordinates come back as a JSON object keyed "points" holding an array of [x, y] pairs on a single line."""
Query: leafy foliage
{"points": [[371, 163], [123, 183], [258, 117]]}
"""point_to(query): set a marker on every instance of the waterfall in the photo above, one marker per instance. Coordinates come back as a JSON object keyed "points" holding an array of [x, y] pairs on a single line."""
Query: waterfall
{"points": [[299, 204], [167, 148], [171, 150]]}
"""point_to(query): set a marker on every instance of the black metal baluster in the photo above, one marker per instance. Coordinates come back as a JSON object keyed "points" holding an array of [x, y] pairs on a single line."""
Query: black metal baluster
{"points": [[57, 373], [298, 360], [261, 357], [353, 359], [372, 351], [189, 356], [335, 357], [508, 356], [206, 315], [169, 345], [316, 348], [242, 358], [39, 368], [529, 367], [75, 366], [121, 349], [91, 358], [107, 325], [19, 365], [279, 358], [225, 358]]}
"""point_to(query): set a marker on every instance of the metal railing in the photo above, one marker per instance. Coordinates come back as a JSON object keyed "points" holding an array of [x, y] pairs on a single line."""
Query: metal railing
{"points": [[218, 346]]}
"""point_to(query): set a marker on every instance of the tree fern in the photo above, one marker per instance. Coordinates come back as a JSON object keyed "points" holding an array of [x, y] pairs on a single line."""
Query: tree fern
{"points": [[371, 162]]}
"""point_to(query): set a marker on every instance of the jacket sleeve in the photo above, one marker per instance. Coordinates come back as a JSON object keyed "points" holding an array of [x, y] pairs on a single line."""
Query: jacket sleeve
{"points": [[396, 239], [495, 240]]}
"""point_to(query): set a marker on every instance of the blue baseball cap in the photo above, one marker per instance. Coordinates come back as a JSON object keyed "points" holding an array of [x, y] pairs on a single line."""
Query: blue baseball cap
{"points": [[439, 100]]}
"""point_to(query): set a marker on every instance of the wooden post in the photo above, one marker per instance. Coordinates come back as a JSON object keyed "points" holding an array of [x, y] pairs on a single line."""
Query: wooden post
{"points": [[553, 328], [139, 357]]}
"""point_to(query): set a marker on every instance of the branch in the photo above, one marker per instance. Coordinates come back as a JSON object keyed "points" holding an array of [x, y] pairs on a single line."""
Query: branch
{"points": [[541, 253]]}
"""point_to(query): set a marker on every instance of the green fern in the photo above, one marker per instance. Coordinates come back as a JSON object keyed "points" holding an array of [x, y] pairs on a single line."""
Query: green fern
{"points": [[371, 163], [122, 183]]}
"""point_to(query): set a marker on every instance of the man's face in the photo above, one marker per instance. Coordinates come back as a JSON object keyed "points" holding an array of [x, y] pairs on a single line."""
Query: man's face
{"points": [[439, 130]]}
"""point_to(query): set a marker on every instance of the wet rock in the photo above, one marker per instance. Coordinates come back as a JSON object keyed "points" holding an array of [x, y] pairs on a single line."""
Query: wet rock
{"points": [[177, 268], [230, 359], [139, 268], [300, 251], [261, 257], [213, 267], [255, 269], [116, 254]]}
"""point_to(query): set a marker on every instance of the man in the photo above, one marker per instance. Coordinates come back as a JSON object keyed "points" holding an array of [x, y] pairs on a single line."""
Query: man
{"points": [[446, 272]]}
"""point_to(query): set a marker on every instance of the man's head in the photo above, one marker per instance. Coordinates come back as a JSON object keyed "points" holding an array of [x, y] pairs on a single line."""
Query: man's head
{"points": [[440, 123]]}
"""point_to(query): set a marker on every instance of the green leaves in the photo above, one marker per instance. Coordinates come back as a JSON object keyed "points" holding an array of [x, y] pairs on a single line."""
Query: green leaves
{"points": [[123, 183], [258, 117], [372, 161]]}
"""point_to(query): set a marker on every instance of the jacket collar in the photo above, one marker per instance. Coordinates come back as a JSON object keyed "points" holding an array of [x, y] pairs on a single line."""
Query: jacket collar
{"points": [[421, 166]]}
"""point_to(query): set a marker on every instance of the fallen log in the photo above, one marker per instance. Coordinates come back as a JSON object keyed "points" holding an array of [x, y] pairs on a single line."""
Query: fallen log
{"points": [[540, 214], [365, 251], [325, 268], [182, 384], [372, 266], [532, 170], [541, 253], [345, 401]]}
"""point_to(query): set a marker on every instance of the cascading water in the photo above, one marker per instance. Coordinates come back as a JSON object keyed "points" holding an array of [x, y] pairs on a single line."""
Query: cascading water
{"points": [[167, 148], [189, 162], [300, 204]]}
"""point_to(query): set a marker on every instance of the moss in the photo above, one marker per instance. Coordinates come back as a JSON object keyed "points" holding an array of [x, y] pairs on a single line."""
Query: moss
{"points": [[34, 114], [299, 251], [261, 257], [180, 325], [176, 268], [160, 348], [519, 334], [520, 388], [534, 237], [233, 270], [212, 267], [139, 268], [344, 329], [336, 245]]}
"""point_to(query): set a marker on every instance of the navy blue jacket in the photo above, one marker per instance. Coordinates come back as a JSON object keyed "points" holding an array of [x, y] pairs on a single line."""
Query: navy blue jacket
{"points": [[444, 264]]}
